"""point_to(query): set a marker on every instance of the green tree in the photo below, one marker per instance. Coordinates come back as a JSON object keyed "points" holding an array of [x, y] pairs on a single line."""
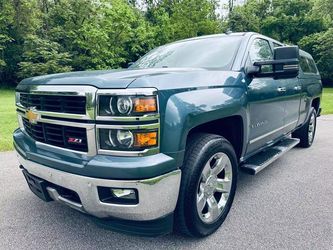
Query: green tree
{"points": [[64, 23], [285, 20], [6, 18], [178, 19], [117, 35], [48, 36], [320, 45], [99, 35], [42, 57], [290, 20], [18, 19], [303, 22], [192, 18], [249, 17]]}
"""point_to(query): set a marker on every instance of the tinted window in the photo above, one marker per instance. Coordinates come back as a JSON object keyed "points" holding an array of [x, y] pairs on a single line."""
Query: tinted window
{"points": [[214, 52], [303, 62], [261, 51], [312, 65]]}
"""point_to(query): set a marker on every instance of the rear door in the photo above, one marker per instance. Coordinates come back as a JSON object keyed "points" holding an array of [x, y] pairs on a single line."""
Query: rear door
{"points": [[265, 101], [291, 103], [310, 81], [290, 94]]}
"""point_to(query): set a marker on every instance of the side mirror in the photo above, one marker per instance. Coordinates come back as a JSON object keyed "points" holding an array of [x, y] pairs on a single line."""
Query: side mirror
{"points": [[130, 64], [286, 53], [252, 70], [288, 58], [284, 65]]}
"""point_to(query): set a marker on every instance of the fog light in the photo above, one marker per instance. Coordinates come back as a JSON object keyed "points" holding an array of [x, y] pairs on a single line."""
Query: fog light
{"points": [[123, 193], [126, 196]]}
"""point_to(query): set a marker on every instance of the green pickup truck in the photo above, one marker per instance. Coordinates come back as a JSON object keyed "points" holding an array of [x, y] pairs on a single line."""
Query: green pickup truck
{"points": [[157, 147]]}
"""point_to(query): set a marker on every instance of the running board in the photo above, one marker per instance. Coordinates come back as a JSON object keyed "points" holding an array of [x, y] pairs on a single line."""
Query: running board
{"points": [[259, 161]]}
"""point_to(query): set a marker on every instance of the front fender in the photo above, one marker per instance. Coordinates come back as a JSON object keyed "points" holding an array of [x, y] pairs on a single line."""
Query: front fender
{"points": [[186, 110]]}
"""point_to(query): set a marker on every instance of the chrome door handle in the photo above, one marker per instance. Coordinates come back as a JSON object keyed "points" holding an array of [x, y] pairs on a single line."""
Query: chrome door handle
{"points": [[280, 89], [297, 87]]}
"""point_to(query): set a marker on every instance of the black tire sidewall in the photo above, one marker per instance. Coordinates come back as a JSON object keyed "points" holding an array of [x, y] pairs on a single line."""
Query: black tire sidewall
{"points": [[313, 112], [303, 132], [191, 179]]}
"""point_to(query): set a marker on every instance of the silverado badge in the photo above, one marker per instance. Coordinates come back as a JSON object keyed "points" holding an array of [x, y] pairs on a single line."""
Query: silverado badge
{"points": [[32, 115]]}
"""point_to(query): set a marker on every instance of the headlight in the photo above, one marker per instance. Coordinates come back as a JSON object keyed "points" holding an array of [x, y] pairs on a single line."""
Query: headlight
{"points": [[134, 140], [126, 105], [128, 121], [124, 137]]}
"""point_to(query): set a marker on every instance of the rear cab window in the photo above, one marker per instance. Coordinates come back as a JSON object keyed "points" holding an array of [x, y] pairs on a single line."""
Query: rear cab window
{"points": [[313, 68], [307, 64], [304, 64]]}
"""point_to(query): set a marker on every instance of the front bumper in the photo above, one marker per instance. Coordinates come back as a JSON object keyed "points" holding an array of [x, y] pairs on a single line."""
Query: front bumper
{"points": [[157, 196], [98, 166]]}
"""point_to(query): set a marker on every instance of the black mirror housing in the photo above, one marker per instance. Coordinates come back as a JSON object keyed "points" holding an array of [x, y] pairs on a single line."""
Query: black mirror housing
{"points": [[130, 64], [285, 63], [252, 70], [290, 67], [286, 52]]}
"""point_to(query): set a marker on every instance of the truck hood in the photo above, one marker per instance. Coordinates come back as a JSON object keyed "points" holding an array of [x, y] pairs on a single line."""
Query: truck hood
{"points": [[160, 78]]}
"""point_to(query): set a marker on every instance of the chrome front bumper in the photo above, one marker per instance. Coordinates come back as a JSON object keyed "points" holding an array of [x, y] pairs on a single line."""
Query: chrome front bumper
{"points": [[157, 196]]}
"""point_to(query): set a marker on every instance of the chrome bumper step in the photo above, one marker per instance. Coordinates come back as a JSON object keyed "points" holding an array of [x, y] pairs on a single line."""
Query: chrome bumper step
{"points": [[264, 158]]}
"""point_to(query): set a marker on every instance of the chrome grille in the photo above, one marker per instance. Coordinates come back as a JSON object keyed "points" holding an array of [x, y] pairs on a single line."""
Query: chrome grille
{"points": [[54, 103], [58, 135], [76, 117]]}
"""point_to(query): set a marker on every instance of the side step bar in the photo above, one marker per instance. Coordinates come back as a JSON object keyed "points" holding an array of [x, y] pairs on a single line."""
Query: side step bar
{"points": [[259, 161]]}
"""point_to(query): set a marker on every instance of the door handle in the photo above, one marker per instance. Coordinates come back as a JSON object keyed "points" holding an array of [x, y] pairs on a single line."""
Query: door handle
{"points": [[297, 87], [281, 89]]}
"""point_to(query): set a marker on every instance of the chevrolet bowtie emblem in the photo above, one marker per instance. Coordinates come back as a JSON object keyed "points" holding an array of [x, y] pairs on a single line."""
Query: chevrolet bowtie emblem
{"points": [[32, 115]]}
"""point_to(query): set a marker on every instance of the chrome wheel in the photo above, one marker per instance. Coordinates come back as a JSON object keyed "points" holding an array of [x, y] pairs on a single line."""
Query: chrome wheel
{"points": [[214, 187], [312, 127]]}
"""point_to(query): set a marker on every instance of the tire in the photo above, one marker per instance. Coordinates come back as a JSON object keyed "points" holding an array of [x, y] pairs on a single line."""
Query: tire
{"points": [[202, 152], [307, 132]]}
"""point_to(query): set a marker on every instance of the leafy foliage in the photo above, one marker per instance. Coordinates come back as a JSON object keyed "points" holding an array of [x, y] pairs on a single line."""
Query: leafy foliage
{"points": [[49, 36], [304, 22], [320, 45], [290, 20], [249, 17], [42, 57]]}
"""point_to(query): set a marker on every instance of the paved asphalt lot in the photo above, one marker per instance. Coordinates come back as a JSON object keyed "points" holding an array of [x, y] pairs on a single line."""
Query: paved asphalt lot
{"points": [[289, 205]]}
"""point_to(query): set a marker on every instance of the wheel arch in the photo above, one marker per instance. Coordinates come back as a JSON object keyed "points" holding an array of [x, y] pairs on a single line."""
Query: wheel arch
{"points": [[191, 110], [315, 103], [231, 128]]}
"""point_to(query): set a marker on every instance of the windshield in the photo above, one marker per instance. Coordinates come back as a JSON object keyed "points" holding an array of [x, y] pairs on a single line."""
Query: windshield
{"points": [[213, 52]]}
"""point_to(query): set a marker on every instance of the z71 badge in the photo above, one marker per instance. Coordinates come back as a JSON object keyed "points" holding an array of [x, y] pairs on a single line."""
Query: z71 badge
{"points": [[72, 140]]}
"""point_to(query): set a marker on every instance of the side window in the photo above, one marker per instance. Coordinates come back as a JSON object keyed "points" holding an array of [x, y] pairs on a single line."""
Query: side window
{"points": [[304, 64], [312, 65], [260, 50]]}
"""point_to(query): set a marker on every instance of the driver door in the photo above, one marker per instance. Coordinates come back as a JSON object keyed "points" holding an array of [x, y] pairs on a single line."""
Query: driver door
{"points": [[265, 102]]}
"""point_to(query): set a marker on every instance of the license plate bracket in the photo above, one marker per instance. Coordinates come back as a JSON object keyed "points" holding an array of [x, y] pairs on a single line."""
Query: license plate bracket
{"points": [[37, 186]]}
